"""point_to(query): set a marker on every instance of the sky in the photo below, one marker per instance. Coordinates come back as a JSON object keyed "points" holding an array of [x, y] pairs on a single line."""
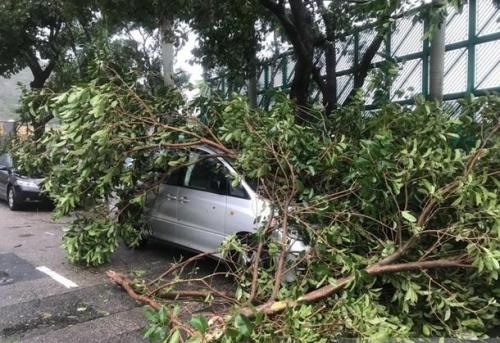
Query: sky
{"points": [[183, 60], [184, 57]]}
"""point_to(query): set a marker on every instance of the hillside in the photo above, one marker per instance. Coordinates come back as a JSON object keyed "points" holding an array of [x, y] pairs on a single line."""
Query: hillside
{"points": [[10, 92]]}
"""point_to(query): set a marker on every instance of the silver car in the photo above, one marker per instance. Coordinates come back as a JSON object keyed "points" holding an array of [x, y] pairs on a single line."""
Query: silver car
{"points": [[198, 206]]}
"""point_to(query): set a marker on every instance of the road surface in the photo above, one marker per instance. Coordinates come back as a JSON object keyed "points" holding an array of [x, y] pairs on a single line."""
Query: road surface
{"points": [[45, 298]]}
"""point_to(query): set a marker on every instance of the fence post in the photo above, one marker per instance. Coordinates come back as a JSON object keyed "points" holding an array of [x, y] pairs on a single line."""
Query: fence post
{"points": [[425, 60], [388, 48], [356, 50], [284, 71], [471, 53]]}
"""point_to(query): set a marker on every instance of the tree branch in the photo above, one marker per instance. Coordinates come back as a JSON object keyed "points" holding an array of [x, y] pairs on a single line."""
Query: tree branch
{"points": [[365, 66], [275, 307]]}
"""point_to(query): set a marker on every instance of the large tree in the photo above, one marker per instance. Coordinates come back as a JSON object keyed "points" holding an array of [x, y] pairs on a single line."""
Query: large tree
{"points": [[231, 36], [151, 15], [36, 34], [314, 30]]}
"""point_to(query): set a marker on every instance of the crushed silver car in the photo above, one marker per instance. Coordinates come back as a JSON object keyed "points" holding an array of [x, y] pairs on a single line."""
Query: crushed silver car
{"points": [[197, 206]]}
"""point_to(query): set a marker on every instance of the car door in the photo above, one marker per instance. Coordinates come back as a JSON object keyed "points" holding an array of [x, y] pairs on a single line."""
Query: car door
{"points": [[202, 204], [241, 210], [5, 163], [162, 205]]}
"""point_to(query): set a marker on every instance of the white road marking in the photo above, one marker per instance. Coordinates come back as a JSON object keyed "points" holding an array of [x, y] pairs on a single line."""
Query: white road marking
{"points": [[50, 233], [59, 278]]}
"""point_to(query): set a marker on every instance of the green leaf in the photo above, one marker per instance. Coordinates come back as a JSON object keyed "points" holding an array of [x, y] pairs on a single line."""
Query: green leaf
{"points": [[408, 216], [199, 323], [447, 314], [426, 330], [162, 315], [245, 327], [175, 338]]}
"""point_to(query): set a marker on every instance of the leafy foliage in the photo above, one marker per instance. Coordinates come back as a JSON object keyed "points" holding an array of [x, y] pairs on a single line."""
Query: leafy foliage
{"points": [[401, 175], [103, 124], [92, 240], [415, 185]]}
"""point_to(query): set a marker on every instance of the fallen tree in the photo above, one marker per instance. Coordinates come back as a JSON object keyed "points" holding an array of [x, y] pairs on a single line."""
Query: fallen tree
{"points": [[390, 264], [399, 207]]}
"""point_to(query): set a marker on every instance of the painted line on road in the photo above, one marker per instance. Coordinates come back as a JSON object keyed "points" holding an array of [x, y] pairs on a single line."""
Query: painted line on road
{"points": [[59, 278]]}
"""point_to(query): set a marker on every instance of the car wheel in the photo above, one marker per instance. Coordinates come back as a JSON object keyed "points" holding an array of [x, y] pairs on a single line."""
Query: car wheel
{"points": [[238, 260], [12, 199], [143, 239]]}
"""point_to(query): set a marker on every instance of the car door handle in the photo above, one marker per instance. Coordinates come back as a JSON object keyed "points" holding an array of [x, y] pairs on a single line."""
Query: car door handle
{"points": [[183, 200], [171, 197]]}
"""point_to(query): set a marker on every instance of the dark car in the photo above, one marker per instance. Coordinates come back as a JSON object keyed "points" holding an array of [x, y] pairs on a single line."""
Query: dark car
{"points": [[18, 189]]}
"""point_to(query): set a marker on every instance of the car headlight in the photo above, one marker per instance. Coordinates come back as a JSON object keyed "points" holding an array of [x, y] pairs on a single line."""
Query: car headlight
{"points": [[27, 183]]}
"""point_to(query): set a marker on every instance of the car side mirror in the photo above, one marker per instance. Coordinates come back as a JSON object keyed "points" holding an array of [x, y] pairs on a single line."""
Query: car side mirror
{"points": [[2, 167]]}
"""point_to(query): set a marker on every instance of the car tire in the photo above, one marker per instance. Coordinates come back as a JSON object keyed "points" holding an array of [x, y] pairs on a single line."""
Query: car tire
{"points": [[143, 241], [236, 260], [12, 199]]}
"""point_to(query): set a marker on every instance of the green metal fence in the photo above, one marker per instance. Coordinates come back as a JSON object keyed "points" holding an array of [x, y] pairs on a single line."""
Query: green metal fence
{"points": [[472, 58]]}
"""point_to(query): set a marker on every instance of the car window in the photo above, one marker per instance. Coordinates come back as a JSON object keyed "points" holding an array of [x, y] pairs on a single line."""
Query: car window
{"points": [[208, 174], [176, 176], [238, 191]]}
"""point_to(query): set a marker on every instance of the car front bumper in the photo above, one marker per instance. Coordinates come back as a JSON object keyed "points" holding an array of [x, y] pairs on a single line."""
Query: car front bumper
{"points": [[31, 195]]}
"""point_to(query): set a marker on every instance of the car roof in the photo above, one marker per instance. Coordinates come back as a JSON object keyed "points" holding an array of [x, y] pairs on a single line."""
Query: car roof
{"points": [[209, 149]]}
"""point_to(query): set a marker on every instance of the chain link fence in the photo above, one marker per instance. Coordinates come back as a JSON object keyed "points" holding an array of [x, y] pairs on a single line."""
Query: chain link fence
{"points": [[472, 58]]}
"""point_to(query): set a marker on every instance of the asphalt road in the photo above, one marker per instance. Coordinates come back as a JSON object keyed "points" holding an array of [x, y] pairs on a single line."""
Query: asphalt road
{"points": [[45, 298]]}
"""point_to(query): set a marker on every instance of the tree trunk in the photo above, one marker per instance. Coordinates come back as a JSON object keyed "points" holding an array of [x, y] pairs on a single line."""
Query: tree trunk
{"points": [[299, 91], [298, 25], [252, 76], [167, 50], [436, 63], [40, 77], [329, 89], [331, 79], [365, 66], [302, 40]]}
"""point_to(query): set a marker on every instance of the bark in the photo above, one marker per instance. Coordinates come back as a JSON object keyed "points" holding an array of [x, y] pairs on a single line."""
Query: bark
{"points": [[40, 77], [365, 66], [297, 24], [256, 264], [329, 89], [124, 282], [331, 79], [275, 307], [252, 91], [167, 50], [300, 87], [251, 74]]}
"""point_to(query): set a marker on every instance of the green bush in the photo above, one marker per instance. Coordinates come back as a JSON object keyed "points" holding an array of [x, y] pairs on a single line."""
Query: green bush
{"points": [[91, 240]]}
